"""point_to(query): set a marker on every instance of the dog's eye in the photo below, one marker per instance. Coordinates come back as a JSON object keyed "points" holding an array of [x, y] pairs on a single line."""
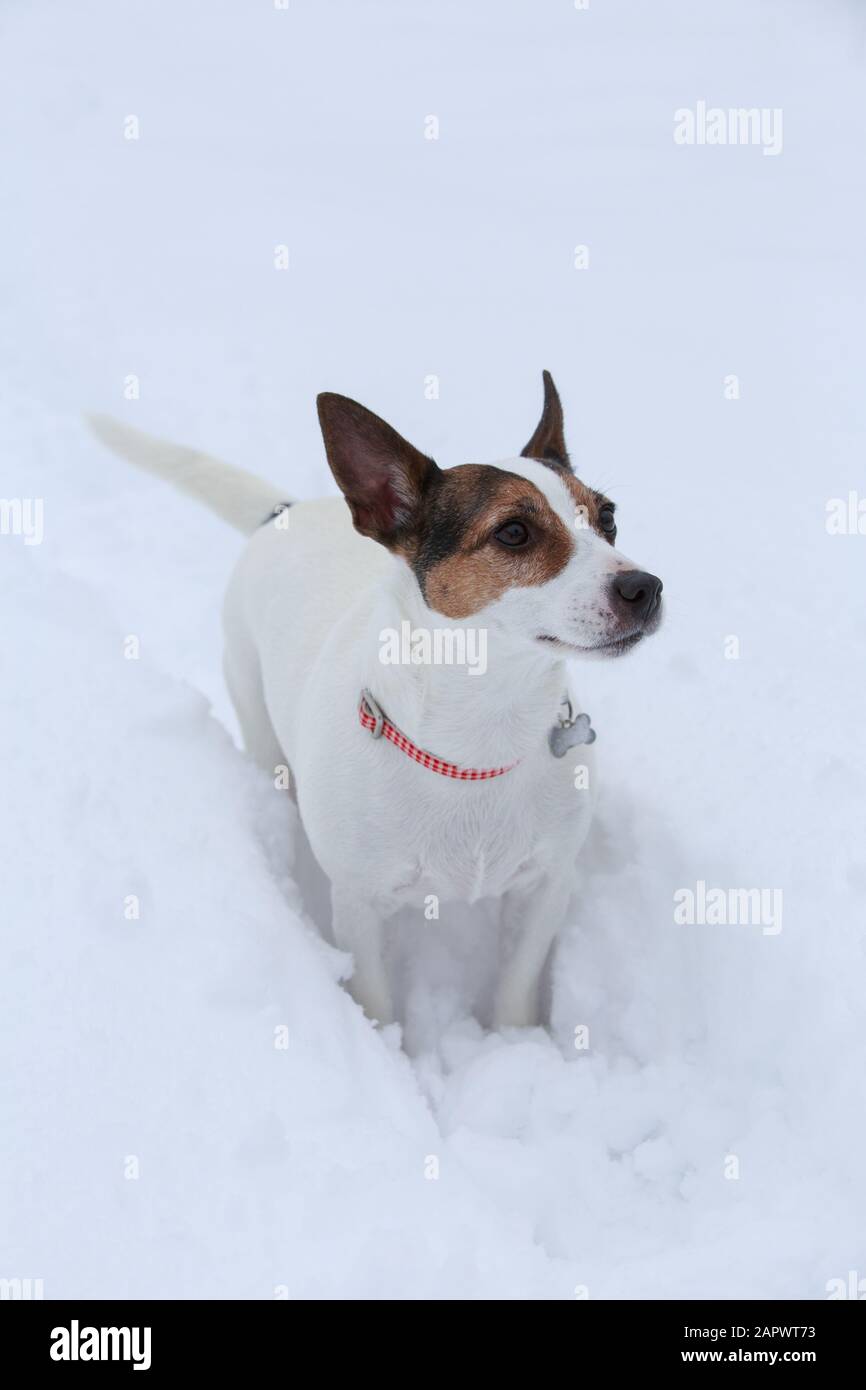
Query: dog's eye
{"points": [[512, 534], [607, 521]]}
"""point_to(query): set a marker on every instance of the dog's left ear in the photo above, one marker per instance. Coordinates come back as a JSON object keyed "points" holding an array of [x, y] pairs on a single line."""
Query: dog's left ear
{"points": [[382, 476], [548, 442]]}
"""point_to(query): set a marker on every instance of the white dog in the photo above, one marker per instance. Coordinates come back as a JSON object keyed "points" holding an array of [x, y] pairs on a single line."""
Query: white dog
{"points": [[424, 777]]}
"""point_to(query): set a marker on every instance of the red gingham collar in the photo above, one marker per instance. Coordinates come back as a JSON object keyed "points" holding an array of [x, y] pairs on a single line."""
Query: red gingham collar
{"points": [[372, 718]]}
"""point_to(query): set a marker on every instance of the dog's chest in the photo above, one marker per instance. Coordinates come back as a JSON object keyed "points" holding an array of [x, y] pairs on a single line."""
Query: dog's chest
{"points": [[495, 839]]}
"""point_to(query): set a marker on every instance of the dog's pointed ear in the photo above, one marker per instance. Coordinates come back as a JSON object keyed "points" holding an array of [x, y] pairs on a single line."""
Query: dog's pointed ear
{"points": [[548, 442], [381, 475]]}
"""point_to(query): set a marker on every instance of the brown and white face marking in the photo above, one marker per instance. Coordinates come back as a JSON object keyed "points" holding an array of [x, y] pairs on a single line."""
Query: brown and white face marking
{"points": [[523, 545]]}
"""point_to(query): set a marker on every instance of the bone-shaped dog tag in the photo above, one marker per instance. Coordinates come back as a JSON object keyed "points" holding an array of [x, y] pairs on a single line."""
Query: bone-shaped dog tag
{"points": [[568, 733]]}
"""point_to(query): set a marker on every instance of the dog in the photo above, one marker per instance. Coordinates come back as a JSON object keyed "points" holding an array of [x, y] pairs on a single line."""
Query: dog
{"points": [[424, 782]]}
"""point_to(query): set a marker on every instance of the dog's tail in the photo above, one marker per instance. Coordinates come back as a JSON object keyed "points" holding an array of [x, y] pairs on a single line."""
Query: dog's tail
{"points": [[240, 498]]}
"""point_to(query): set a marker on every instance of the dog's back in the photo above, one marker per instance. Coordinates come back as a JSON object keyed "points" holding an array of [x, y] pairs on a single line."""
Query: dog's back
{"points": [[298, 576], [303, 568]]}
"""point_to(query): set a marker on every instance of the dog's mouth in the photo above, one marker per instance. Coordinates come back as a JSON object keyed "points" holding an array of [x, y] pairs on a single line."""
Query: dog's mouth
{"points": [[618, 646]]}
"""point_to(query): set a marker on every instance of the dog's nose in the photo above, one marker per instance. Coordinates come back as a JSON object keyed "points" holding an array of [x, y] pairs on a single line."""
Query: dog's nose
{"points": [[641, 591]]}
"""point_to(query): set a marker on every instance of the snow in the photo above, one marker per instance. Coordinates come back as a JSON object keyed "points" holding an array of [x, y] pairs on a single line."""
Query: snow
{"points": [[443, 1161]]}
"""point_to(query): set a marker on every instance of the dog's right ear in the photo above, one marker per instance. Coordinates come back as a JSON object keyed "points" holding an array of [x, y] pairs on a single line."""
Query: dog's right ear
{"points": [[548, 442], [381, 475]]}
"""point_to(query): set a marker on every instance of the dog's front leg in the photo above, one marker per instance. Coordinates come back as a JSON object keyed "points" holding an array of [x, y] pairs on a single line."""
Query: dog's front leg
{"points": [[535, 918], [358, 928]]}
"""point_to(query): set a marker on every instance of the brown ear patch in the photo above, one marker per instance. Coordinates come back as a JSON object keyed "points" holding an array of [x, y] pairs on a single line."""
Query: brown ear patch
{"points": [[459, 564], [382, 476]]}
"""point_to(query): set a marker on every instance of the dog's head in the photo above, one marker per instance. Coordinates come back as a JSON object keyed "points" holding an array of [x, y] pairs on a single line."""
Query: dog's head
{"points": [[523, 544]]}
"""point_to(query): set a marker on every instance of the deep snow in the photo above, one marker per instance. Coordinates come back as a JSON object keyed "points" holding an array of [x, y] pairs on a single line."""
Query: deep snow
{"points": [[307, 1169]]}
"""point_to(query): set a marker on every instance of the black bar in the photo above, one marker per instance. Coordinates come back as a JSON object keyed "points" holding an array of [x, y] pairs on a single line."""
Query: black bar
{"points": [[222, 1338]]}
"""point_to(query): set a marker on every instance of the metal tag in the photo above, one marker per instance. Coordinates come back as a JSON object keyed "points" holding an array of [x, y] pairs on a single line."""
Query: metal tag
{"points": [[569, 732]]}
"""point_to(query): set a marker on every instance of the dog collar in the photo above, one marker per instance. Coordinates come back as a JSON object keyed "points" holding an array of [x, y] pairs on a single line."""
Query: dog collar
{"points": [[373, 718], [569, 730]]}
